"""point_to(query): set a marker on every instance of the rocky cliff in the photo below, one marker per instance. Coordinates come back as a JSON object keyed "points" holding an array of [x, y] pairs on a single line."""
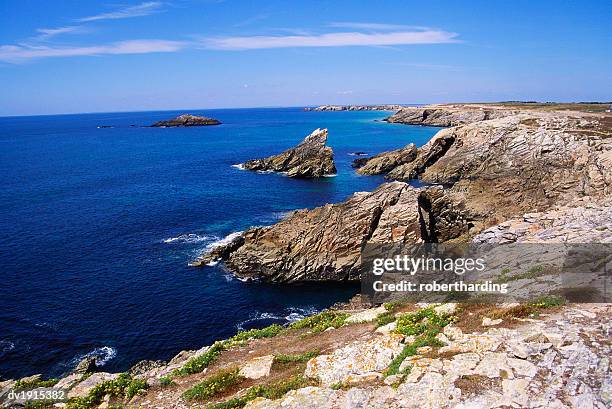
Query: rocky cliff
{"points": [[447, 115], [325, 243], [310, 159], [486, 172], [186, 120], [522, 162]]}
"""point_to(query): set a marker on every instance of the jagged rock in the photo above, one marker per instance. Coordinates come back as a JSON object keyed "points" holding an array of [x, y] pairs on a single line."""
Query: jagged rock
{"points": [[520, 162], [186, 120], [386, 161], [257, 367], [325, 243], [86, 365], [310, 159]]}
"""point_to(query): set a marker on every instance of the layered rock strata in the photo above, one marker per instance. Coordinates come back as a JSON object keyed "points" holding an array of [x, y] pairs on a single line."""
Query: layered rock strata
{"points": [[310, 159]]}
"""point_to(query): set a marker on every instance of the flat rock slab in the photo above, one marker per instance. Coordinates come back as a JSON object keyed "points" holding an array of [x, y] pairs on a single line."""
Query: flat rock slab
{"points": [[258, 367], [82, 389]]}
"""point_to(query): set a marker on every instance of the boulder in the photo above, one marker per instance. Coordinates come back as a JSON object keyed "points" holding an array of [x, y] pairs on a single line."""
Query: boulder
{"points": [[310, 159]]}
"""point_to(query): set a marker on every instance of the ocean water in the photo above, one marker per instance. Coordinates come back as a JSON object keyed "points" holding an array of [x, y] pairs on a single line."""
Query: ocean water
{"points": [[97, 226]]}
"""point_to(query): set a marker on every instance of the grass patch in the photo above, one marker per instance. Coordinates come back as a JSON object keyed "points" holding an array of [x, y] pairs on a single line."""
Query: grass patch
{"points": [[304, 357], [385, 318], [424, 324], [39, 383], [166, 381], [525, 310], [272, 391], [215, 385], [320, 322], [124, 387], [199, 363]]}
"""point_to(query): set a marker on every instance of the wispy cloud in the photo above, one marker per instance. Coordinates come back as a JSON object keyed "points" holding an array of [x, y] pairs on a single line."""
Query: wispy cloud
{"points": [[332, 40], [142, 9], [374, 26], [20, 53], [46, 33]]}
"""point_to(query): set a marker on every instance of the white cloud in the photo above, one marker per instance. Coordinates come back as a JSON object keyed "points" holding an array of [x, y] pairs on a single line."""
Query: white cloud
{"points": [[20, 53], [332, 40], [142, 9], [46, 33]]}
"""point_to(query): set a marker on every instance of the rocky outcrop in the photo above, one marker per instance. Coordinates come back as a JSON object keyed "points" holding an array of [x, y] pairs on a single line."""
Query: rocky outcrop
{"points": [[186, 120], [325, 243], [584, 223], [310, 159], [355, 108], [559, 361], [447, 115], [386, 161]]}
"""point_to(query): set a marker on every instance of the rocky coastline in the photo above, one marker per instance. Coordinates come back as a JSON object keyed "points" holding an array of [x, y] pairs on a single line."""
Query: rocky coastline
{"points": [[310, 159], [389, 107], [496, 174], [496, 164], [186, 120]]}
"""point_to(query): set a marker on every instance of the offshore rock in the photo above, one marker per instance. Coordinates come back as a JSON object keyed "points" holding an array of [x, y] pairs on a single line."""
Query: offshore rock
{"points": [[186, 120], [310, 159]]}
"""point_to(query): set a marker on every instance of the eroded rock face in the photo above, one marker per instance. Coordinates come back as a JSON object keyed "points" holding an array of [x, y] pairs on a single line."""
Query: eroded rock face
{"points": [[523, 162], [325, 243], [310, 159], [186, 120], [386, 161], [446, 115]]}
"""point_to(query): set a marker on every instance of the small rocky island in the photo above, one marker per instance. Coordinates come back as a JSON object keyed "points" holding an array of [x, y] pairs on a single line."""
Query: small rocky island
{"points": [[186, 120], [310, 159]]}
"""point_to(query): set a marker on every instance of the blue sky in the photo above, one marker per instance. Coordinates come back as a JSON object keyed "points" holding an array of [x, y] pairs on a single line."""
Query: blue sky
{"points": [[121, 55]]}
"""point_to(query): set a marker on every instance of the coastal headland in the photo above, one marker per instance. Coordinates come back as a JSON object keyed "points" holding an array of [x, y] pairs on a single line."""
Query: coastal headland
{"points": [[497, 173]]}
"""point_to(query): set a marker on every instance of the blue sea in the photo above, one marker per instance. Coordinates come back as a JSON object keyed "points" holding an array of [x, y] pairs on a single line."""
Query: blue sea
{"points": [[98, 226]]}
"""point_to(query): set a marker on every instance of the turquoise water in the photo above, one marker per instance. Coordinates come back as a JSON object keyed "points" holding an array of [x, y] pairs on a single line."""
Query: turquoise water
{"points": [[99, 224]]}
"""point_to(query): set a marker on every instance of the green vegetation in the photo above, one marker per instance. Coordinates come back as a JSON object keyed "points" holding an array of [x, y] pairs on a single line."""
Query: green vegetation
{"points": [[272, 391], [215, 385], [124, 387], [547, 301], [424, 325], [198, 363], [320, 322], [303, 357], [385, 318], [533, 272], [524, 310], [166, 381], [39, 383]]}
